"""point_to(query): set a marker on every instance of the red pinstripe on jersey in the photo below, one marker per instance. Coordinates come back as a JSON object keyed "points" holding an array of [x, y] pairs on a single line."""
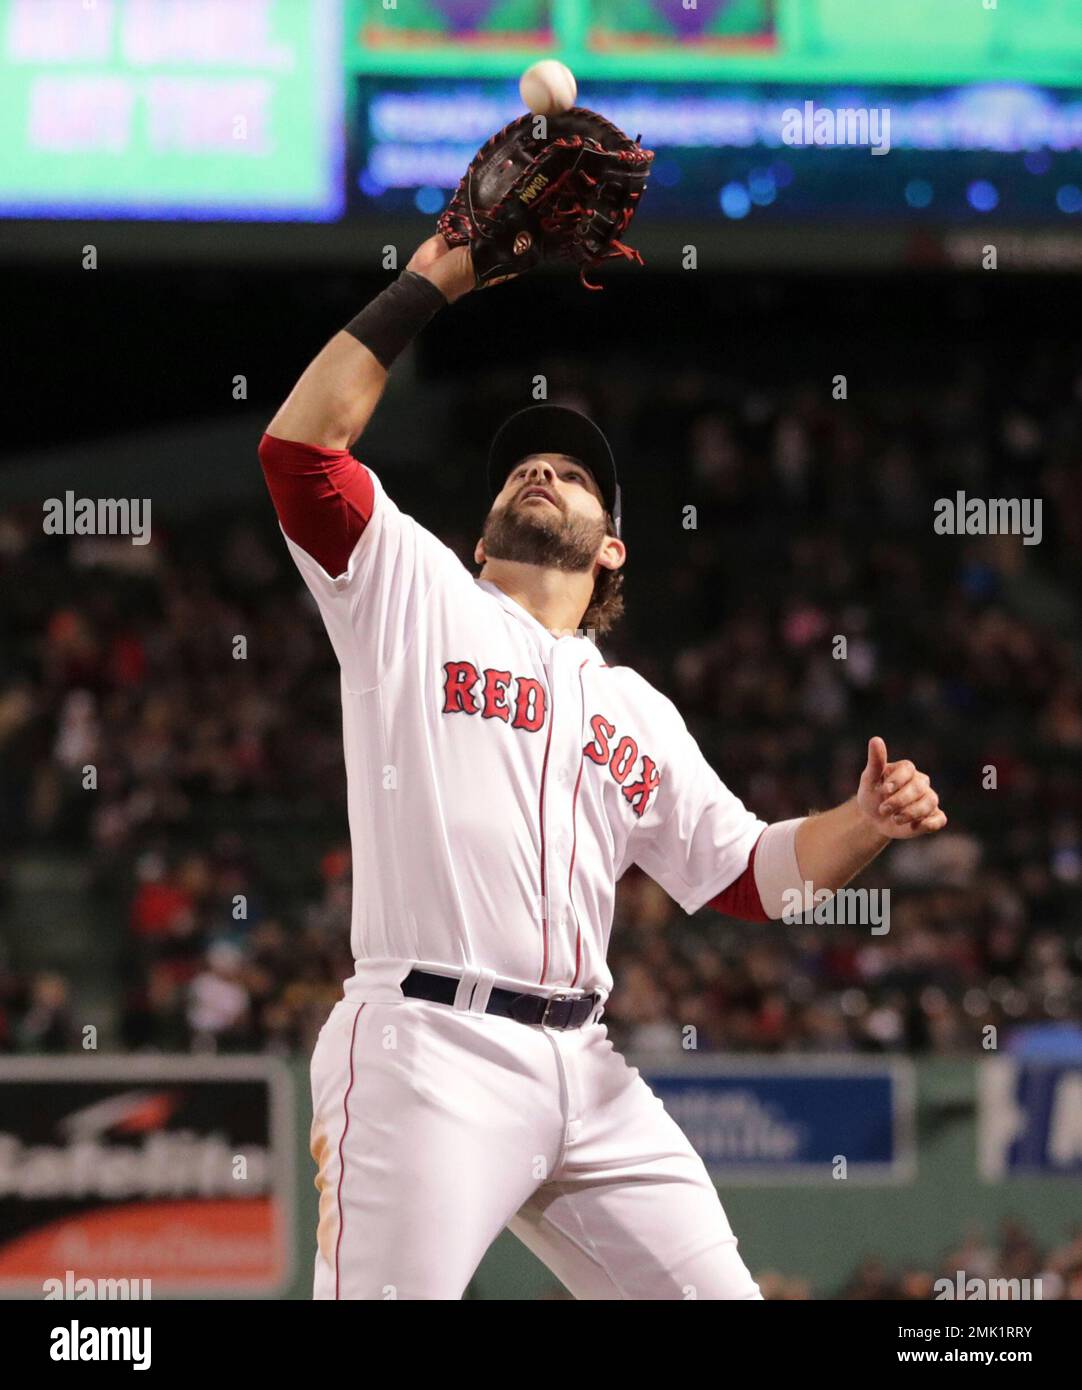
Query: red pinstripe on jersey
{"points": [[341, 1148]]}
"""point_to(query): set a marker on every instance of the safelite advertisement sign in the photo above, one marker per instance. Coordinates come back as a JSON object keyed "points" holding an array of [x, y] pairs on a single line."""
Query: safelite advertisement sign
{"points": [[174, 1170]]}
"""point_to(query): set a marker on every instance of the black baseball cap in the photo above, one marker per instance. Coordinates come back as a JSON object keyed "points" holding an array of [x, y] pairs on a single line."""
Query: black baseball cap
{"points": [[555, 429]]}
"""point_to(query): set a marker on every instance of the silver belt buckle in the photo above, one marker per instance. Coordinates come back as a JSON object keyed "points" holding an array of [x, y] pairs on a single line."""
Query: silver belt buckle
{"points": [[553, 999]]}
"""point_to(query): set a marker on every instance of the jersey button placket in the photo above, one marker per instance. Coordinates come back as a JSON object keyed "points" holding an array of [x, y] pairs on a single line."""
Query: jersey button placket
{"points": [[563, 752], [552, 795]]}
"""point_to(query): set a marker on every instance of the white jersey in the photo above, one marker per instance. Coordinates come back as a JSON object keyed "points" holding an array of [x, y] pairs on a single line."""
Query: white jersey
{"points": [[500, 779]]}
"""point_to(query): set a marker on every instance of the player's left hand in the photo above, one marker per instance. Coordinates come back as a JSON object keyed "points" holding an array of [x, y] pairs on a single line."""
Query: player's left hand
{"points": [[898, 799]]}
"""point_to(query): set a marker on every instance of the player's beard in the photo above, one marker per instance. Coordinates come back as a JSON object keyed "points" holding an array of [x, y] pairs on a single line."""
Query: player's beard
{"points": [[554, 540]]}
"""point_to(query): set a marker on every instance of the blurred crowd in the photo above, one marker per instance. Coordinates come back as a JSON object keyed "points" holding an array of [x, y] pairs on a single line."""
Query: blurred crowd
{"points": [[786, 588], [1014, 1254]]}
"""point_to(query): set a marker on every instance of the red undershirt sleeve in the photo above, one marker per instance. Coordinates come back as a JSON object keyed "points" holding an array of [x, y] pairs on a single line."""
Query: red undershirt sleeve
{"points": [[323, 497], [741, 898]]}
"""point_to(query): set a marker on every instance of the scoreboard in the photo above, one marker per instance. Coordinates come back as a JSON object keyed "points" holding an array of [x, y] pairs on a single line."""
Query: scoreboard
{"points": [[171, 109], [977, 102], [883, 41], [347, 111]]}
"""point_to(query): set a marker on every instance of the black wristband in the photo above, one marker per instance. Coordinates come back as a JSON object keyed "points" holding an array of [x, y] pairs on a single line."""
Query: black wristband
{"points": [[396, 316]]}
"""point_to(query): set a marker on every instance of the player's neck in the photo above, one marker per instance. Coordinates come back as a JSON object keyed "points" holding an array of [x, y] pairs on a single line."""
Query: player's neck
{"points": [[556, 598]]}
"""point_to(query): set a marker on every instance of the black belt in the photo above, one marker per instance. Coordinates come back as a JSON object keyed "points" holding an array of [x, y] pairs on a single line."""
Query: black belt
{"points": [[550, 1011]]}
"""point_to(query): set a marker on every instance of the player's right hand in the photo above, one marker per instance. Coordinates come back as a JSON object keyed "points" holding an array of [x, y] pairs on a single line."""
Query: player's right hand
{"points": [[450, 268]]}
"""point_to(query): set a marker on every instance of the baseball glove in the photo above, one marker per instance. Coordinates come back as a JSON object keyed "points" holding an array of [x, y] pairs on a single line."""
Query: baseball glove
{"points": [[568, 194]]}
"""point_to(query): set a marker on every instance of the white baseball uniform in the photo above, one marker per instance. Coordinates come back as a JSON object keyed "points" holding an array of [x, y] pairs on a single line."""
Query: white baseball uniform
{"points": [[500, 781]]}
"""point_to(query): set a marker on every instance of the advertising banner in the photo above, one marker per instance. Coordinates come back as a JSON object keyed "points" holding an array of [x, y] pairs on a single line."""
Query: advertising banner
{"points": [[176, 1171], [779, 1120], [1030, 1119]]}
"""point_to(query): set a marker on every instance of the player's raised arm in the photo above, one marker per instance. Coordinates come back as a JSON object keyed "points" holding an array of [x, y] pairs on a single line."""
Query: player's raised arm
{"points": [[338, 391], [323, 496]]}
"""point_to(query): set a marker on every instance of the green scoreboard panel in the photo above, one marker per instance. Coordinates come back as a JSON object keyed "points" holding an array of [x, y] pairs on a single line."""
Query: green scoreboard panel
{"points": [[320, 110], [886, 41], [203, 109]]}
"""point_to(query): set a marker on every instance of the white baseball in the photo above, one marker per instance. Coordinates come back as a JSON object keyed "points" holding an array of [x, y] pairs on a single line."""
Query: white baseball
{"points": [[548, 88]]}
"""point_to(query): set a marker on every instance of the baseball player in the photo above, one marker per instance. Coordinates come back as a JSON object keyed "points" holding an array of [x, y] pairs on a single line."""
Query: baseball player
{"points": [[501, 778]]}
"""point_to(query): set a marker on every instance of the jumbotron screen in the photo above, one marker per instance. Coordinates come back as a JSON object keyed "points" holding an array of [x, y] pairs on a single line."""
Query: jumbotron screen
{"points": [[885, 41], [208, 109], [758, 110]]}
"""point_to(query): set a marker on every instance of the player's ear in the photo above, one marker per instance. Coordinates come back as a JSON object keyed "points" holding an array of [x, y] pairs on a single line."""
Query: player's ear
{"points": [[612, 554], [479, 553]]}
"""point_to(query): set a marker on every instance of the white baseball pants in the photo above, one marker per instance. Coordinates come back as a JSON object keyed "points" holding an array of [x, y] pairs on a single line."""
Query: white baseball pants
{"points": [[434, 1128]]}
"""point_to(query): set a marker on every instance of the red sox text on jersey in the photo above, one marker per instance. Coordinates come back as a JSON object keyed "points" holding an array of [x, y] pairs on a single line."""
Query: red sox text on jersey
{"points": [[488, 693]]}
